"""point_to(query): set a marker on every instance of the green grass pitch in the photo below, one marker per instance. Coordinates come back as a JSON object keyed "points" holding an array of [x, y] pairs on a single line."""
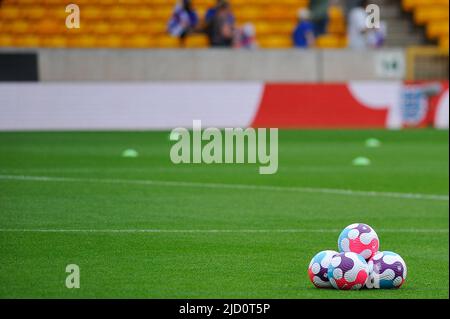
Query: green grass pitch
{"points": [[86, 191]]}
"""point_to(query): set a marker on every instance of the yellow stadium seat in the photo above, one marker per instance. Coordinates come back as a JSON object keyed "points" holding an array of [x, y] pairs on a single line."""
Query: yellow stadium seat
{"points": [[124, 27], [161, 14], [49, 26], [168, 42], [76, 31], [265, 28], [336, 13], [6, 40], [9, 12], [154, 3], [329, 42], [409, 5], [301, 3], [50, 2], [139, 41], [275, 42], [424, 14], [336, 24], [110, 2], [436, 29], [92, 12], [279, 13], [117, 13], [148, 14], [34, 12], [336, 28], [101, 28], [81, 41], [29, 41], [24, 1], [196, 41], [162, 2], [155, 28], [248, 14], [57, 13], [57, 41], [80, 3], [19, 27], [108, 41], [443, 44]]}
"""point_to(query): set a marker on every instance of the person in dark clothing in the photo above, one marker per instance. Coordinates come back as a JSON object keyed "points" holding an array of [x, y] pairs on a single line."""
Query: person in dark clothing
{"points": [[212, 11], [319, 16], [219, 25]]}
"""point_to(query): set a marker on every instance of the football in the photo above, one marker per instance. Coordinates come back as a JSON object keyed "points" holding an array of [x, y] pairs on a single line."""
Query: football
{"points": [[348, 271], [386, 270], [318, 268], [360, 239]]}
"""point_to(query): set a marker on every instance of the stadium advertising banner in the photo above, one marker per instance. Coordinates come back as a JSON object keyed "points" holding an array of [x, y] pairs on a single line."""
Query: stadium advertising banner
{"points": [[123, 106], [354, 105]]}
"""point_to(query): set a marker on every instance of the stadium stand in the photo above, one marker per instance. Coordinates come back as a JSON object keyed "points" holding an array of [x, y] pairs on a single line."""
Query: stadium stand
{"points": [[433, 14], [143, 23]]}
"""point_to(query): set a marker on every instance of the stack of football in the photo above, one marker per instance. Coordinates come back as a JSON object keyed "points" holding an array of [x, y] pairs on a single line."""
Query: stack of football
{"points": [[358, 263]]}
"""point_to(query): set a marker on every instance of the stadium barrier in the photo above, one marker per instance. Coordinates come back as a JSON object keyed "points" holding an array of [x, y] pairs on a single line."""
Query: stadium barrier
{"points": [[217, 65], [166, 105]]}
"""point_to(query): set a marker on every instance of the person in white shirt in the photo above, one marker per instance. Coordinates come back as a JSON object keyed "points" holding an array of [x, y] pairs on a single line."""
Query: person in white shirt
{"points": [[357, 27]]}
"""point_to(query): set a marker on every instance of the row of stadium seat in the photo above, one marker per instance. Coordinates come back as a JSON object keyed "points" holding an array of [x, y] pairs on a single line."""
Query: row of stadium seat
{"points": [[143, 23], [434, 15], [143, 41], [115, 12], [155, 2], [51, 27], [106, 41]]}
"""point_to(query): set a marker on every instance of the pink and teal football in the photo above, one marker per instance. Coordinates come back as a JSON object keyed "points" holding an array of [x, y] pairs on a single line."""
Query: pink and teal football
{"points": [[348, 271], [318, 268], [360, 239], [386, 270]]}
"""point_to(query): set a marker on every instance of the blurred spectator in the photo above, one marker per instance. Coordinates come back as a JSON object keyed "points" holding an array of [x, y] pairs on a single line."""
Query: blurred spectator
{"points": [[183, 21], [212, 11], [219, 25], [246, 37], [357, 27], [319, 16], [303, 35], [349, 5], [377, 37]]}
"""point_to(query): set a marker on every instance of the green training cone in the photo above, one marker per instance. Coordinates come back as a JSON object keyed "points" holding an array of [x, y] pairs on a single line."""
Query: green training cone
{"points": [[373, 142], [130, 153], [361, 161]]}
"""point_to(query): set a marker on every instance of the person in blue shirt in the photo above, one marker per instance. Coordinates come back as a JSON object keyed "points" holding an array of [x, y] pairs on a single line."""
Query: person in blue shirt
{"points": [[303, 36], [184, 20]]}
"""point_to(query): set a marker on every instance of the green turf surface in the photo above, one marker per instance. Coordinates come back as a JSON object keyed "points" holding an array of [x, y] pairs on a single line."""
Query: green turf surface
{"points": [[228, 263]]}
